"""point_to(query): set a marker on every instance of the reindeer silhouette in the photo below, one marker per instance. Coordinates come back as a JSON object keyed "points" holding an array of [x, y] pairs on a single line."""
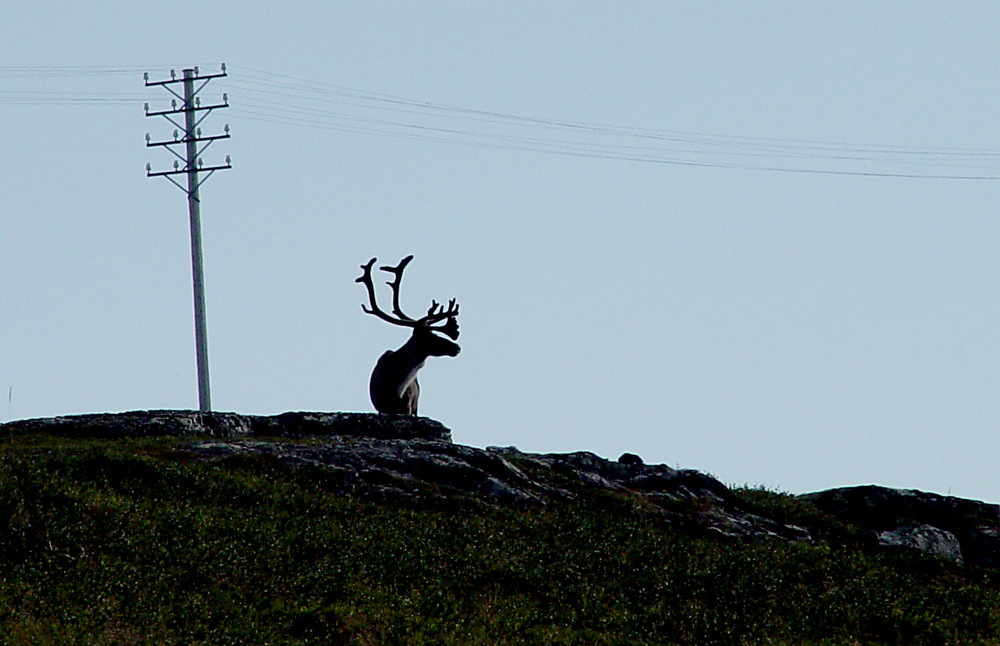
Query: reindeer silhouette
{"points": [[393, 386]]}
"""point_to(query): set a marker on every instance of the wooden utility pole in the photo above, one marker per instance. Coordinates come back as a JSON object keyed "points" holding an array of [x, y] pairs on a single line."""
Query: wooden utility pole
{"points": [[193, 168]]}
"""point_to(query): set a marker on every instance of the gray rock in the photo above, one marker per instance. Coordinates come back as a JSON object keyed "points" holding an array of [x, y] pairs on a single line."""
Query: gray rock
{"points": [[159, 423], [429, 473], [923, 538], [414, 471]]}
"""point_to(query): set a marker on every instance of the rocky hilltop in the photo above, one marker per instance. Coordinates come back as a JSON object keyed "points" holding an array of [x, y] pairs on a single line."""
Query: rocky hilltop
{"points": [[412, 461]]}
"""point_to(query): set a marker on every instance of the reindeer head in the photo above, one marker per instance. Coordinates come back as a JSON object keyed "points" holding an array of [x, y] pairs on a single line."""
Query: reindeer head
{"points": [[425, 329]]}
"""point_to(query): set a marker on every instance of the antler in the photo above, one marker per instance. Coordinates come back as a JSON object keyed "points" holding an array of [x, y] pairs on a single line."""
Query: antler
{"points": [[435, 314]]}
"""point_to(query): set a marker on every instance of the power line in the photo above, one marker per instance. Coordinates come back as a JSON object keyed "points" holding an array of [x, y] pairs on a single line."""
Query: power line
{"points": [[287, 100], [15, 97], [292, 87], [276, 111], [70, 71]]}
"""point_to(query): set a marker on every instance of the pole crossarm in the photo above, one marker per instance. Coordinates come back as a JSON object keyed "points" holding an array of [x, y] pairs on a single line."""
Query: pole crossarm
{"points": [[151, 144], [185, 171], [208, 170], [206, 78], [195, 77], [197, 108]]}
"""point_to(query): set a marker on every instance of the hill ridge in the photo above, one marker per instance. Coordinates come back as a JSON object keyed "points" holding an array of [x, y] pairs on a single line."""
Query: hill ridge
{"points": [[408, 460]]}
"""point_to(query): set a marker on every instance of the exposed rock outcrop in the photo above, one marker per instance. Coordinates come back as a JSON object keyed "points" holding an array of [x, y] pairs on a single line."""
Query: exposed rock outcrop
{"points": [[412, 461], [428, 473], [955, 528], [159, 423]]}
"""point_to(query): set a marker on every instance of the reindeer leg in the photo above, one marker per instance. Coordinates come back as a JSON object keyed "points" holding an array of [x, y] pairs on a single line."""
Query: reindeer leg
{"points": [[410, 396]]}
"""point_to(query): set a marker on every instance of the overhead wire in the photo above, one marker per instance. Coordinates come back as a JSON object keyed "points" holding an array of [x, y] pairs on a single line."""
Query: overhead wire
{"points": [[65, 98], [309, 103], [281, 99], [275, 110], [296, 87], [71, 71], [10, 96]]}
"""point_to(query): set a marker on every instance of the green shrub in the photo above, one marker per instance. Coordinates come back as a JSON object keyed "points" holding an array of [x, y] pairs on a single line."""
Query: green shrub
{"points": [[135, 543]]}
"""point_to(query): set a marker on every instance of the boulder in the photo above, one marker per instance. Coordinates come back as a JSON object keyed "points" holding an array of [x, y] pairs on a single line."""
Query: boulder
{"points": [[956, 528], [923, 538]]}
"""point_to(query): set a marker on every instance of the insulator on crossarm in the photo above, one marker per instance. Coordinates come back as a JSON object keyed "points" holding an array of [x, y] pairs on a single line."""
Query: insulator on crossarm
{"points": [[149, 168], [147, 138], [225, 98], [229, 162], [223, 68], [146, 108], [226, 128], [176, 164], [176, 134]]}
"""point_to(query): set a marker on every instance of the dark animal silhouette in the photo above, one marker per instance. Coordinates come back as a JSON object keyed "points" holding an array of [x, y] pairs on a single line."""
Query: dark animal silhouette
{"points": [[393, 386]]}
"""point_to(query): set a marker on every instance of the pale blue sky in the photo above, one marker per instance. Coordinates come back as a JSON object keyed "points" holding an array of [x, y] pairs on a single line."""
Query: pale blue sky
{"points": [[693, 243]]}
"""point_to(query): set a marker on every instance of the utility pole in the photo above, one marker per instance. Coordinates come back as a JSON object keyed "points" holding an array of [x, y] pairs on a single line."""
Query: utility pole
{"points": [[194, 144]]}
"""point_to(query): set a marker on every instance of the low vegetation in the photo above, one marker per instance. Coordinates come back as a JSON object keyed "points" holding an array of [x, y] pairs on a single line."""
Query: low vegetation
{"points": [[134, 542]]}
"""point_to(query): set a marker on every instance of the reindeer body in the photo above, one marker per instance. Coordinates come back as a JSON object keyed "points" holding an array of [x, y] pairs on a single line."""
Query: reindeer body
{"points": [[393, 386], [393, 389]]}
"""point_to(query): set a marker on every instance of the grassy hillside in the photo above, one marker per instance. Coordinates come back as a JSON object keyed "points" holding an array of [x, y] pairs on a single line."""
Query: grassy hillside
{"points": [[133, 542]]}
